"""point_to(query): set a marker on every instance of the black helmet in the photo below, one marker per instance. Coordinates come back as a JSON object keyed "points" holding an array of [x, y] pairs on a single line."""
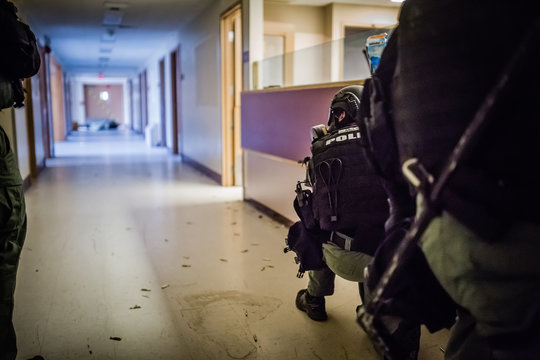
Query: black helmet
{"points": [[346, 100]]}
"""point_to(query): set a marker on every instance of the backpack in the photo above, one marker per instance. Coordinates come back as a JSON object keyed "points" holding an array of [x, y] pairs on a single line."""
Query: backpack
{"points": [[19, 55]]}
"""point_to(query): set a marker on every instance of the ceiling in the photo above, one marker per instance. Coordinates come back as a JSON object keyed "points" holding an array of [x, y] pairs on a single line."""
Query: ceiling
{"points": [[117, 37]]}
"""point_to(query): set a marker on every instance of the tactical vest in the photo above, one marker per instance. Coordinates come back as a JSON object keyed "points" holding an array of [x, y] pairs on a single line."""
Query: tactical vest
{"points": [[347, 194]]}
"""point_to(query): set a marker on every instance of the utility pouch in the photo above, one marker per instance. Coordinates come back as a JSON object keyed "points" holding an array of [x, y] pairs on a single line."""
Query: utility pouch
{"points": [[307, 244]]}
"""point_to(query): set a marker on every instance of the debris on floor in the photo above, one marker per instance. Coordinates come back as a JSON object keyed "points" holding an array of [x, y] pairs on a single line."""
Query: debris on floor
{"points": [[236, 234], [224, 260], [186, 257], [186, 265], [254, 244], [164, 286], [264, 267], [244, 251], [143, 289], [134, 307], [233, 223], [255, 338], [189, 223], [115, 338], [267, 259]]}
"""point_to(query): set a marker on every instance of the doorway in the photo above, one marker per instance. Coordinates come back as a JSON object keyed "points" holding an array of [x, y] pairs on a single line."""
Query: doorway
{"points": [[231, 86], [162, 103], [175, 96], [144, 100]]}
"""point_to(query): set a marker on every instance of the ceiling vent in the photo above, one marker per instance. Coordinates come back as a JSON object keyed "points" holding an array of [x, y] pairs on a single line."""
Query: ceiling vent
{"points": [[109, 35], [114, 13]]}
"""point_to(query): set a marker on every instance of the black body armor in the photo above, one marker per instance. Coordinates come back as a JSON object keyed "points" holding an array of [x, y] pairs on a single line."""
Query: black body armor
{"points": [[347, 194]]}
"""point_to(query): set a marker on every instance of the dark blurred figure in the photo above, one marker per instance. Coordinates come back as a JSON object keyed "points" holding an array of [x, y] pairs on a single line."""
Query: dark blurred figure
{"points": [[456, 61], [19, 59]]}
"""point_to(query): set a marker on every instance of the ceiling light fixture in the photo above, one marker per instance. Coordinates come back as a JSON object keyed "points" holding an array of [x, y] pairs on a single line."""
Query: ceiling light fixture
{"points": [[109, 36]]}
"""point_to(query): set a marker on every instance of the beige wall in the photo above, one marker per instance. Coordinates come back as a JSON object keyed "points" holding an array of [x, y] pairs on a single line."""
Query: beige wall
{"points": [[307, 23], [362, 16], [57, 100], [23, 149], [112, 109], [355, 15], [270, 180], [201, 87], [318, 31]]}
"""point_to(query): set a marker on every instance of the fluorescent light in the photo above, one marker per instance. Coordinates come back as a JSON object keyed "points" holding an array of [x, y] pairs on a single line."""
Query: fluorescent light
{"points": [[397, 0]]}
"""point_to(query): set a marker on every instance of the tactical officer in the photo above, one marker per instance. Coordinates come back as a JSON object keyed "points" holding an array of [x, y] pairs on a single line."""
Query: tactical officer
{"points": [[348, 202], [465, 115], [19, 59]]}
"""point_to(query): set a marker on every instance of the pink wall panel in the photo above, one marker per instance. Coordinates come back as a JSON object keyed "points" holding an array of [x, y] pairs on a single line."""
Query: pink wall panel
{"points": [[279, 122]]}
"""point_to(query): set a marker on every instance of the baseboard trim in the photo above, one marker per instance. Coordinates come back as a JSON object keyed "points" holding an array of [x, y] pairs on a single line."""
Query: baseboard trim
{"points": [[201, 168], [270, 213], [27, 182]]}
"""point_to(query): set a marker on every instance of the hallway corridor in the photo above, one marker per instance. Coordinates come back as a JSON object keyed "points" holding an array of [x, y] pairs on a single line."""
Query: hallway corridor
{"points": [[131, 254]]}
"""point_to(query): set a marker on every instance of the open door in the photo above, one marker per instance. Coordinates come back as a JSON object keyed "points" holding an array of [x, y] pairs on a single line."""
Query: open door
{"points": [[231, 86]]}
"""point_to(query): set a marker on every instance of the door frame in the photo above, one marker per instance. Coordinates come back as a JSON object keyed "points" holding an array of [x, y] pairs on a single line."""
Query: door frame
{"points": [[162, 103], [231, 87], [176, 101], [144, 100]]}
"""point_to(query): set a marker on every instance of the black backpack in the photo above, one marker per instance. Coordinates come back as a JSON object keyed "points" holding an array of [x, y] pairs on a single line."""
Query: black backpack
{"points": [[19, 55]]}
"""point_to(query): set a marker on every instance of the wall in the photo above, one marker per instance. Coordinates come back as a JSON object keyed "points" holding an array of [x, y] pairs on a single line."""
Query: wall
{"points": [[308, 27], [201, 87], [307, 22], [136, 104], [276, 126], [341, 15], [57, 100], [253, 33], [78, 110], [21, 131], [38, 122], [112, 109], [154, 86]]}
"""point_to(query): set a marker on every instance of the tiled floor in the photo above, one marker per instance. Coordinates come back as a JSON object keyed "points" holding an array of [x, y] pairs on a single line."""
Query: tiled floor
{"points": [[132, 255]]}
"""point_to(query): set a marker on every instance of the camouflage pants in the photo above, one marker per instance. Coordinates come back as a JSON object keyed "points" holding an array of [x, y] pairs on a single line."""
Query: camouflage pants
{"points": [[12, 235]]}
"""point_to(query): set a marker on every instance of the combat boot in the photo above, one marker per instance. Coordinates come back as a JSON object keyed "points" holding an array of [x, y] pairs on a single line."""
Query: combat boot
{"points": [[314, 306]]}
